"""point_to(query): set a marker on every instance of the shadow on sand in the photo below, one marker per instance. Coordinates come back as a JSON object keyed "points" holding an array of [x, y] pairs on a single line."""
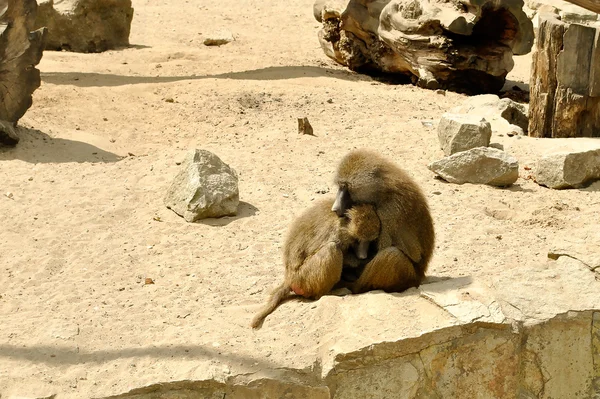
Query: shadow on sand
{"points": [[83, 79], [38, 147]]}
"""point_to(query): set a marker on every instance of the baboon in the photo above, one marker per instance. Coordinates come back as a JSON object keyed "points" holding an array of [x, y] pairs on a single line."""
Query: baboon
{"points": [[406, 239], [317, 247]]}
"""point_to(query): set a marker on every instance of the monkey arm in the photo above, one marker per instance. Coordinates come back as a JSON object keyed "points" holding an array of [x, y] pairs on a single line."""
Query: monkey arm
{"points": [[392, 234], [390, 270]]}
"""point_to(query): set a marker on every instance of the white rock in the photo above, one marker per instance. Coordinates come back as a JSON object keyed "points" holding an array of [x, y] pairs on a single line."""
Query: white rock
{"points": [[461, 132], [205, 187], [482, 165]]}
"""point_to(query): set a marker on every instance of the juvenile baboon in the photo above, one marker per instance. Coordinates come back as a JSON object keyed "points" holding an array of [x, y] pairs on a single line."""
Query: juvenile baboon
{"points": [[406, 240], [313, 252]]}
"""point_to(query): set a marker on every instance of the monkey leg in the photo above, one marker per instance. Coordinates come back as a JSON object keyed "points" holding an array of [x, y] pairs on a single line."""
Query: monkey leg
{"points": [[390, 270], [319, 272]]}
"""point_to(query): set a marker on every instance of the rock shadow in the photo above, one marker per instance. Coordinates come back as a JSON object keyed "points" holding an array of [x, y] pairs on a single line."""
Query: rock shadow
{"points": [[38, 147], [244, 210], [82, 79]]}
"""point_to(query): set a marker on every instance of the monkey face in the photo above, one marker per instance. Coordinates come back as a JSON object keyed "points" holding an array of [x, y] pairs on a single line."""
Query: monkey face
{"points": [[343, 201], [360, 178]]}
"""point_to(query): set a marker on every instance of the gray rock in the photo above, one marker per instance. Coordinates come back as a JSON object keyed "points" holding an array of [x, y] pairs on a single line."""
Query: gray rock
{"points": [[568, 169], [85, 26], [461, 132], [205, 187], [482, 165]]}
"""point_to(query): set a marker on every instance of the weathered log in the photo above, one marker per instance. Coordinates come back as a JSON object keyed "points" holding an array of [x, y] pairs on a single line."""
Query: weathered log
{"points": [[86, 26], [461, 45], [20, 50], [565, 80]]}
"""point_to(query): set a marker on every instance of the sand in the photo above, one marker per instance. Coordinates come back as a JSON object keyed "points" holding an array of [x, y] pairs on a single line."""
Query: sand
{"points": [[84, 225]]}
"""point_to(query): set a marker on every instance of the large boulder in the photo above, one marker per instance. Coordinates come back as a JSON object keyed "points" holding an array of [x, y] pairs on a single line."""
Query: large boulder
{"points": [[205, 187], [482, 165], [86, 26], [464, 45]]}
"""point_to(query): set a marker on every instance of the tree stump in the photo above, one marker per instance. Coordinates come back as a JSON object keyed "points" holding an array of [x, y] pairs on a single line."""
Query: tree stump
{"points": [[565, 80], [461, 45], [20, 50]]}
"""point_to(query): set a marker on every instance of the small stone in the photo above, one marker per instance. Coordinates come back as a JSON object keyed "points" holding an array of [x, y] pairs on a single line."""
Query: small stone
{"points": [[218, 38], [169, 100], [148, 281], [304, 127]]}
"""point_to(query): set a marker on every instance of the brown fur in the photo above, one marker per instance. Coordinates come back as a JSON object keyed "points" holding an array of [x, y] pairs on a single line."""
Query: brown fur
{"points": [[313, 252], [406, 241]]}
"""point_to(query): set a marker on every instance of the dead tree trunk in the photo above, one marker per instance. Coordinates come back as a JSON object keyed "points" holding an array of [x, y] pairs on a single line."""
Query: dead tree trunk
{"points": [[565, 80], [20, 50]]}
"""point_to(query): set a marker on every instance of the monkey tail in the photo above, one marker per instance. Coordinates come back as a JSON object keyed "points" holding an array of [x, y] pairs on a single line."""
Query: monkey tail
{"points": [[278, 295]]}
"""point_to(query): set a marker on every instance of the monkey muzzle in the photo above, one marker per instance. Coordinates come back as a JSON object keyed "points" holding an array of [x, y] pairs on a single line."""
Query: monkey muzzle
{"points": [[342, 202], [362, 249]]}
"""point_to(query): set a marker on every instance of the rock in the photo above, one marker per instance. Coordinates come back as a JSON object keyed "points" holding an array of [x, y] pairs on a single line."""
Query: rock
{"points": [[218, 38], [568, 169], [304, 127], [431, 42], [85, 26], [461, 132], [8, 136], [482, 165], [20, 51], [204, 188]]}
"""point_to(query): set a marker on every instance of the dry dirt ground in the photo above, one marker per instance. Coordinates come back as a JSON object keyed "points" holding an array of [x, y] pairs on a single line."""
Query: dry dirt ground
{"points": [[83, 220]]}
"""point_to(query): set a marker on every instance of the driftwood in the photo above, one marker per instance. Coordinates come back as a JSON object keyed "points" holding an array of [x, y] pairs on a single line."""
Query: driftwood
{"points": [[20, 51], [565, 80], [85, 26], [461, 45]]}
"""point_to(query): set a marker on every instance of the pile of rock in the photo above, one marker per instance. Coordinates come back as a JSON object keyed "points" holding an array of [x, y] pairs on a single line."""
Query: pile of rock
{"points": [[465, 135]]}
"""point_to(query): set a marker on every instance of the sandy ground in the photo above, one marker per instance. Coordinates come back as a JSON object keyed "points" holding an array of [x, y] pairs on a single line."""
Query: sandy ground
{"points": [[85, 225]]}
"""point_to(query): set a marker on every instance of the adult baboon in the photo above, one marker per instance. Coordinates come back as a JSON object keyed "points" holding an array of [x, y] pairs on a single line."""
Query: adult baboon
{"points": [[313, 252], [406, 240]]}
